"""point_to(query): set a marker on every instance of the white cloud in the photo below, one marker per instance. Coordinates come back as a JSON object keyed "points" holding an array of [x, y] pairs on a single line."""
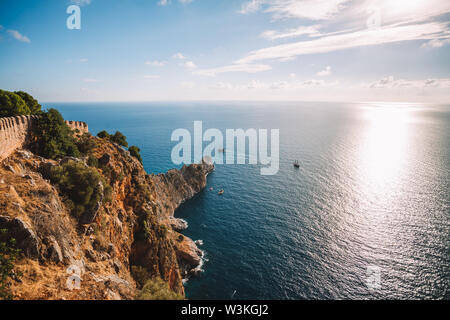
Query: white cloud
{"points": [[18, 36], [251, 6], [291, 33], [156, 63], [151, 76], [163, 2], [90, 80], [325, 72], [179, 56], [189, 65], [390, 82], [368, 37], [84, 60], [187, 84], [81, 2], [306, 9], [248, 68], [435, 43]]}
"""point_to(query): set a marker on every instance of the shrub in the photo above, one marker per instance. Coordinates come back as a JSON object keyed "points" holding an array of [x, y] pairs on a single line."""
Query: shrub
{"points": [[8, 255], [54, 137], [92, 161], [120, 139], [12, 104], [157, 289], [103, 134], [32, 103], [134, 151], [86, 144], [80, 184]]}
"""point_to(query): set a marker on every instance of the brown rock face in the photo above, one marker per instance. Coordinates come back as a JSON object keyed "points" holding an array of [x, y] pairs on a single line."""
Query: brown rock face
{"points": [[132, 229]]}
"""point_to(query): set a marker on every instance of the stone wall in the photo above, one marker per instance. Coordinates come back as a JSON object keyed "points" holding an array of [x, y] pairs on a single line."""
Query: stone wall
{"points": [[15, 132]]}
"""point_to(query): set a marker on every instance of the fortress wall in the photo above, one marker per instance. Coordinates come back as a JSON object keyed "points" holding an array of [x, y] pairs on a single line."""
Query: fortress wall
{"points": [[15, 132]]}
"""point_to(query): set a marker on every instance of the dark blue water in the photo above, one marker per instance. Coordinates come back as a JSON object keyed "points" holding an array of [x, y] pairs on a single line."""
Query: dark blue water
{"points": [[372, 191]]}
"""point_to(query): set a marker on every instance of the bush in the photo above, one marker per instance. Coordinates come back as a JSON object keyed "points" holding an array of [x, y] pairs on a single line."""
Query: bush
{"points": [[86, 144], [134, 151], [80, 184], [117, 137], [32, 103], [12, 104], [103, 134], [54, 137], [8, 255], [157, 289], [120, 139]]}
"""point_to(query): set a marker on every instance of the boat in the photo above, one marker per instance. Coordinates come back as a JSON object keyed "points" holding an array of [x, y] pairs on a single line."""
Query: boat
{"points": [[221, 192], [296, 164]]}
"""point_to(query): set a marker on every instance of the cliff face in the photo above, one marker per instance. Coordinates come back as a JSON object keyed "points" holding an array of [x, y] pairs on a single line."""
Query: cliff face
{"points": [[136, 228]]}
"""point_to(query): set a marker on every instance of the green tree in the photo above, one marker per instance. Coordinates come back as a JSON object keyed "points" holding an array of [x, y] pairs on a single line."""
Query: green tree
{"points": [[32, 103], [135, 152], [8, 255], [103, 134], [120, 139], [55, 139], [12, 105], [157, 289], [86, 144], [83, 186]]}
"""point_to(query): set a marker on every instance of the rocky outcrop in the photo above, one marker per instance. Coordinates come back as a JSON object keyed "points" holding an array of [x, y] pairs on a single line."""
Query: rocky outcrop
{"points": [[136, 228]]}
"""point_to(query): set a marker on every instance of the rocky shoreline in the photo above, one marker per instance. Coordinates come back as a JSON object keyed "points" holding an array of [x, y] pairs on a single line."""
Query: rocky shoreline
{"points": [[136, 228]]}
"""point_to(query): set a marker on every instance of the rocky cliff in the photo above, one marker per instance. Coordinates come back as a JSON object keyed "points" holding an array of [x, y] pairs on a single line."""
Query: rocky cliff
{"points": [[134, 229]]}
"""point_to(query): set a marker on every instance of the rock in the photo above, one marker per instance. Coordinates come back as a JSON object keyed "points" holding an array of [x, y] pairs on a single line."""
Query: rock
{"points": [[26, 239], [178, 224], [104, 159], [111, 295], [9, 168], [67, 159], [188, 254], [90, 254], [117, 265], [54, 252], [111, 249]]}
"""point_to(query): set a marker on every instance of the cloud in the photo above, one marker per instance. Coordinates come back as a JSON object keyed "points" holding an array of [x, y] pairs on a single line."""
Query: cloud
{"points": [[325, 72], [187, 84], [435, 43], [277, 85], [251, 6], [151, 76], [179, 56], [390, 82], [248, 68], [90, 80], [189, 65], [81, 2], [367, 37], [291, 33], [166, 2], [305, 9], [156, 63], [18, 36], [84, 60]]}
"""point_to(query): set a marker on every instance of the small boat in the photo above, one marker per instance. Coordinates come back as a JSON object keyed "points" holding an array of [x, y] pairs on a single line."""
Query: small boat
{"points": [[211, 189], [296, 164], [221, 192]]}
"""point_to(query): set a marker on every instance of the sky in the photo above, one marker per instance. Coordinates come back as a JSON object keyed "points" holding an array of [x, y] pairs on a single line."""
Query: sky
{"points": [[173, 50]]}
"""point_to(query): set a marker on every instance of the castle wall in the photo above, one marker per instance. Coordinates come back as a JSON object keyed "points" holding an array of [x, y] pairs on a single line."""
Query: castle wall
{"points": [[15, 132]]}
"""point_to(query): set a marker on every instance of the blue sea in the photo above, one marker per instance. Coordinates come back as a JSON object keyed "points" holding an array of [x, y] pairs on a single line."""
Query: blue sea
{"points": [[366, 216]]}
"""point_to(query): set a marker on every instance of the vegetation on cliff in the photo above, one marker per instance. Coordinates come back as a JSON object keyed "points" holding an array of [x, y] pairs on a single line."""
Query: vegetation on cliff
{"points": [[54, 138], [121, 140], [8, 255], [17, 103], [84, 187], [157, 289]]}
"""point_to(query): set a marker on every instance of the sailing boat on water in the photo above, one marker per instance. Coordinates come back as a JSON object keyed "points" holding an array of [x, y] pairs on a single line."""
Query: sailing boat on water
{"points": [[296, 164]]}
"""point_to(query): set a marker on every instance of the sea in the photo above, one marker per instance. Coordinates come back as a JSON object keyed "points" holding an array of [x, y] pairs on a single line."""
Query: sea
{"points": [[365, 216]]}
